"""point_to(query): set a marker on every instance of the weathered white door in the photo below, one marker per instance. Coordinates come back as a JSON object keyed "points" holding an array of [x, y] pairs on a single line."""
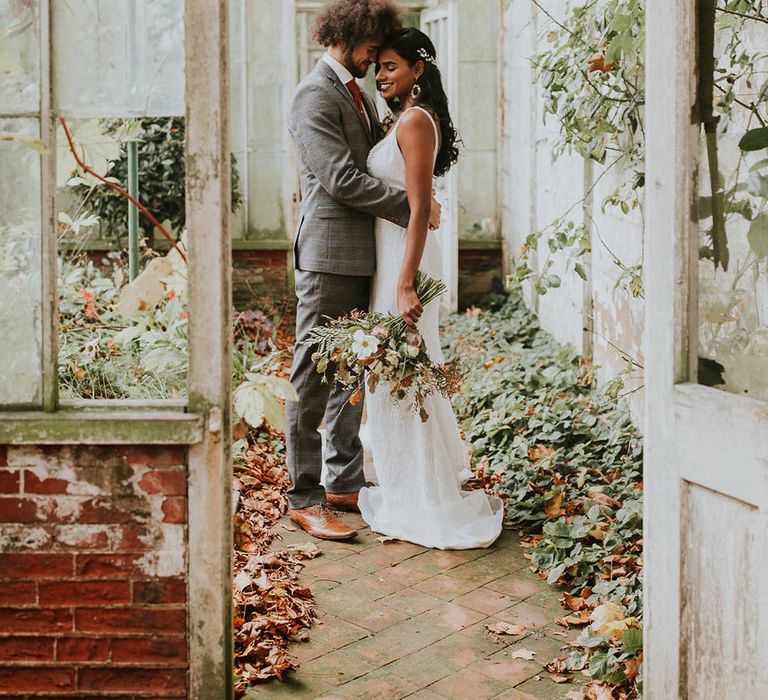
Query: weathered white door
{"points": [[706, 479], [441, 25]]}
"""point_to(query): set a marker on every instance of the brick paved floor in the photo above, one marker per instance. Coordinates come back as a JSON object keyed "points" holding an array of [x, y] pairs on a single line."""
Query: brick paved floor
{"points": [[401, 621]]}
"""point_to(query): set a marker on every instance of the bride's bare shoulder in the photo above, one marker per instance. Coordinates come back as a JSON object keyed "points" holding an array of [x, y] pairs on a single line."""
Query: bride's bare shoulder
{"points": [[416, 116], [415, 122]]}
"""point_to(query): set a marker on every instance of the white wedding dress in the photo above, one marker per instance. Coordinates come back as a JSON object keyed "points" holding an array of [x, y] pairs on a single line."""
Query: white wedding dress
{"points": [[420, 466]]}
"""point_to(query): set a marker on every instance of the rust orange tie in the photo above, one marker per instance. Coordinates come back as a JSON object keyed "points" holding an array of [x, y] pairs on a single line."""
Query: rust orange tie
{"points": [[354, 89]]}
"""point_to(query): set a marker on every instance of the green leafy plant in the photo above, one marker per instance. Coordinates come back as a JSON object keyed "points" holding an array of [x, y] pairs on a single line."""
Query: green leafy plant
{"points": [[104, 354], [161, 174], [256, 398], [568, 460], [592, 83]]}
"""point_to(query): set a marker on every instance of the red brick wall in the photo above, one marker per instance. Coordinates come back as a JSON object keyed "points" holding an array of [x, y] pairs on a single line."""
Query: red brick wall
{"points": [[480, 272], [257, 274], [93, 549], [264, 273]]}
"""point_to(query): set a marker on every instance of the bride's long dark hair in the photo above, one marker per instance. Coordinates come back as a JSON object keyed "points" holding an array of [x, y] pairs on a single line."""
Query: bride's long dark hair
{"points": [[408, 43]]}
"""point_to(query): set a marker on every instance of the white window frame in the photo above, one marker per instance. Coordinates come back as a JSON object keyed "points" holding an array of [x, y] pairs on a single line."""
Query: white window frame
{"points": [[203, 422]]}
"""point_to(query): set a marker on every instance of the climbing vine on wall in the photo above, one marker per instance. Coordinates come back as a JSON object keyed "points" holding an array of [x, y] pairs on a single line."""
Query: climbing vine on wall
{"points": [[591, 78]]}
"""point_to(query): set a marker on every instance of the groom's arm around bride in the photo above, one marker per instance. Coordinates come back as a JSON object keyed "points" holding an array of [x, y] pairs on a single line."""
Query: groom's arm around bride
{"points": [[334, 126]]}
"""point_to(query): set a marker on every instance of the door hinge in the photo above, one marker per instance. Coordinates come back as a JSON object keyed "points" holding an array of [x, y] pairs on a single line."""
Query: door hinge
{"points": [[214, 420]]}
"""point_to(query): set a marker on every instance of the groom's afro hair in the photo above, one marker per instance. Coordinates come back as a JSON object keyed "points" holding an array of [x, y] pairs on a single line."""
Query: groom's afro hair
{"points": [[348, 22]]}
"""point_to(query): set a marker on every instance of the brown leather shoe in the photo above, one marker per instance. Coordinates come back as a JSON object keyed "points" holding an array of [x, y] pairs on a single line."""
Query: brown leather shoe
{"points": [[320, 521], [343, 501]]}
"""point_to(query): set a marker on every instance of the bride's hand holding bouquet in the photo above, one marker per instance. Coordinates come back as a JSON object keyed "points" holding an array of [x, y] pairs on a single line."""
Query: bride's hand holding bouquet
{"points": [[368, 348]]}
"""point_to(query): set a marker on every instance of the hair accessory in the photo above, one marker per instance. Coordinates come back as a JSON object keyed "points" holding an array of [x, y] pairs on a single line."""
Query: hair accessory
{"points": [[429, 58]]}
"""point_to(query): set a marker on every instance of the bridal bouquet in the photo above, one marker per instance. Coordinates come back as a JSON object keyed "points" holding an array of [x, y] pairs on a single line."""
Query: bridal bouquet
{"points": [[368, 348]]}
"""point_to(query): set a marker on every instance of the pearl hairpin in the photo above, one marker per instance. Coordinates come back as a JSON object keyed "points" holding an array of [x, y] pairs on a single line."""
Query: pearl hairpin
{"points": [[427, 57]]}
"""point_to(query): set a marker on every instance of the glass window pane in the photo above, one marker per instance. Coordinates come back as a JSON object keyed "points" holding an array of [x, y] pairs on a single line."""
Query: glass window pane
{"points": [[113, 58], [733, 216], [19, 58], [120, 337], [20, 283]]}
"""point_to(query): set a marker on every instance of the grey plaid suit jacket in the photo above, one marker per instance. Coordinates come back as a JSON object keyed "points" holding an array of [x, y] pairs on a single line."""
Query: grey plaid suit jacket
{"points": [[339, 199]]}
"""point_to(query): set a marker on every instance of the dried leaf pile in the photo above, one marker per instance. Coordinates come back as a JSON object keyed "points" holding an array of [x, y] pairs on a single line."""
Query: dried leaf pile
{"points": [[271, 607]]}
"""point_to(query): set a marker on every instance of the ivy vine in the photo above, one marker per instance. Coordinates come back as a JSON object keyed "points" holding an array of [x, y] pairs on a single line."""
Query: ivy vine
{"points": [[591, 78]]}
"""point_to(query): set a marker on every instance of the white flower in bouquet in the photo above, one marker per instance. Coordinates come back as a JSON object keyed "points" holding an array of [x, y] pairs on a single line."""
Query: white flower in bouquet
{"points": [[411, 350], [364, 345], [413, 337]]}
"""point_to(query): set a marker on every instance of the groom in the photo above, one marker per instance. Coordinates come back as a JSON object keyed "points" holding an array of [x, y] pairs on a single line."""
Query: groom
{"points": [[334, 125]]}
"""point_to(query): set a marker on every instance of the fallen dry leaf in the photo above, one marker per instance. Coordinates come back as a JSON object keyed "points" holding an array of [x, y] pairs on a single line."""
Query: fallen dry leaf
{"points": [[608, 620], [598, 691], [598, 496], [505, 628], [576, 620], [242, 580], [632, 667], [559, 678], [271, 608], [556, 666], [525, 654], [384, 539], [539, 451], [573, 602], [306, 550], [553, 506]]}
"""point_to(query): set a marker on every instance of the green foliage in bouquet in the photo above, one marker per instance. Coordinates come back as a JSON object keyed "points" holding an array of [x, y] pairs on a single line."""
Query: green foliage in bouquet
{"points": [[369, 348]]}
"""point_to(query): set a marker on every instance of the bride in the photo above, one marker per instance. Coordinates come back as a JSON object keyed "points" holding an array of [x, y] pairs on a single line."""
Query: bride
{"points": [[420, 466]]}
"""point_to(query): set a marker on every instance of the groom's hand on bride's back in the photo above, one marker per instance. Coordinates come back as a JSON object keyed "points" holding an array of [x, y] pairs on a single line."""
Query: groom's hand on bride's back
{"points": [[434, 214]]}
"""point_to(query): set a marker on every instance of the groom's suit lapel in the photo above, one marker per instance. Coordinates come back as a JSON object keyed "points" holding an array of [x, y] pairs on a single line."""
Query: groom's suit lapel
{"points": [[327, 71], [373, 115]]}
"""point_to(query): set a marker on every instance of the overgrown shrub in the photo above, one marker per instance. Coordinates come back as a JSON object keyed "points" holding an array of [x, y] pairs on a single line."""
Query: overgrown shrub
{"points": [[104, 355], [161, 177]]}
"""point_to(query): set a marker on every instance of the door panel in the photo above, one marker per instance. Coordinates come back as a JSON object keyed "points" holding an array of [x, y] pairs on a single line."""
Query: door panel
{"points": [[720, 588], [440, 25], [720, 443], [706, 464]]}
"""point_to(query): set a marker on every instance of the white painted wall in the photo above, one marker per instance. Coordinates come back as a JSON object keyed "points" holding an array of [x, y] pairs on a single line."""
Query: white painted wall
{"points": [[534, 191], [267, 52], [618, 315], [259, 53], [477, 116]]}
